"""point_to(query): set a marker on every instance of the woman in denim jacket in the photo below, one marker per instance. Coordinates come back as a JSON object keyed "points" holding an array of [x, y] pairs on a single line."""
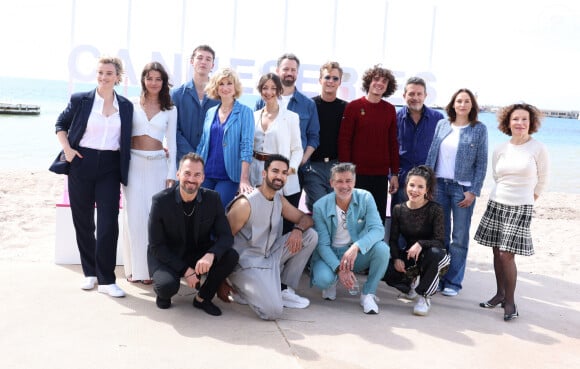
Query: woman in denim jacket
{"points": [[458, 155]]}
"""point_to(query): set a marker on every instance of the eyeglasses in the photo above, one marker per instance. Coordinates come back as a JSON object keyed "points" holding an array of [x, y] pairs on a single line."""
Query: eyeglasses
{"points": [[343, 219], [334, 78]]}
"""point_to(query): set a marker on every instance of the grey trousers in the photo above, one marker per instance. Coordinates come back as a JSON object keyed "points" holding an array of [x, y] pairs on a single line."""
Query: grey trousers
{"points": [[257, 278]]}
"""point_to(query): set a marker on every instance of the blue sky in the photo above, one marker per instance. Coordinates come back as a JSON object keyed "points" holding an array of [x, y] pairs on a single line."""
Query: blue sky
{"points": [[505, 51]]}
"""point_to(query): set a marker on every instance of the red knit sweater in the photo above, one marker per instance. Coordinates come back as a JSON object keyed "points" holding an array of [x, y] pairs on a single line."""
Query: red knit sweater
{"points": [[368, 137]]}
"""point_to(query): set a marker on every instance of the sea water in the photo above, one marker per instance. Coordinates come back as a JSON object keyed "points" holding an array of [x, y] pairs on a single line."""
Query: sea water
{"points": [[29, 142]]}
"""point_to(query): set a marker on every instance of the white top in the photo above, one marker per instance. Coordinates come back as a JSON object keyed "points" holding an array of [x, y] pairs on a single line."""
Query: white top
{"points": [[102, 132], [161, 127], [519, 172], [447, 156], [284, 100], [341, 237], [282, 137]]}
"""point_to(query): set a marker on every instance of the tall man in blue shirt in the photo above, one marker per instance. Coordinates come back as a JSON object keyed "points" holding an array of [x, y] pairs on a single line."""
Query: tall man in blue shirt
{"points": [[192, 102], [415, 126]]}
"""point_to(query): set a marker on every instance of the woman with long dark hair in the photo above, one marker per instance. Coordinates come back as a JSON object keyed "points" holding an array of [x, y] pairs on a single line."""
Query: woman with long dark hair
{"points": [[152, 169], [458, 155]]}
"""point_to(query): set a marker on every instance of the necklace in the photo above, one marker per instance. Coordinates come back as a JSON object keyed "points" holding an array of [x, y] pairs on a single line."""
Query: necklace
{"points": [[190, 213]]}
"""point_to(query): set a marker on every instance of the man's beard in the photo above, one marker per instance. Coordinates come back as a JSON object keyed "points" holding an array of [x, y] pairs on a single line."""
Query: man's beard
{"points": [[272, 185], [288, 82]]}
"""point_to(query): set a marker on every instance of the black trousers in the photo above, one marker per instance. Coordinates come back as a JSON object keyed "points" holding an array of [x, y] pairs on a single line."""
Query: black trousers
{"points": [[431, 261], [378, 186], [96, 178], [166, 281]]}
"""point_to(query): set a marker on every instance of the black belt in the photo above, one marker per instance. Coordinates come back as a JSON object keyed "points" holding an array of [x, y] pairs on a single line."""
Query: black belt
{"points": [[261, 156]]}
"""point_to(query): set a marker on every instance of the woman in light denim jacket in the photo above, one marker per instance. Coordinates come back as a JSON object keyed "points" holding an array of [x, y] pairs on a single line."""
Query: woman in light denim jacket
{"points": [[227, 139], [458, 155]]}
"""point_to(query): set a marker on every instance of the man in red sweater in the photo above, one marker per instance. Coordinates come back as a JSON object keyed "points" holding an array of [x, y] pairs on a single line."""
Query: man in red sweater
{"points": [[368, 137]]}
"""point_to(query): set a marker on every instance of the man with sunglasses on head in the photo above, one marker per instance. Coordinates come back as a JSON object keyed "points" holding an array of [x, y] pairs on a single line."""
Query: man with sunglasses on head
{"points": [[350, 239], [330, 110]]}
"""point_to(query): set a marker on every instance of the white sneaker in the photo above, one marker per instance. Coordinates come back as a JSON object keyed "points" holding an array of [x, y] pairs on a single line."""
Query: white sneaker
{"points": [[330, 292], [111, 289], [89, 283], [291, 300], [449, 292], [422, 306], [369, 303]]}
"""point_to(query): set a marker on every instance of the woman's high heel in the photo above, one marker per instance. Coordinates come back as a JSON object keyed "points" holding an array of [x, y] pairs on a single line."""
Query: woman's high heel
{"points": [[488, 305], [512, 316]]}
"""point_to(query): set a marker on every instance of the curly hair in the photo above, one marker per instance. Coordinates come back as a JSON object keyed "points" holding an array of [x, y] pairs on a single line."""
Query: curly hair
{"points": [[117, 62], [450, 108], [378, 71], [504, 115], [225, 73], [164, 95]]}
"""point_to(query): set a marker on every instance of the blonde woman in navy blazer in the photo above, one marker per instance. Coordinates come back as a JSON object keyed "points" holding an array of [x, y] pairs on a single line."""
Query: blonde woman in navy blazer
{"points": [[227, 139], [95, 134]]}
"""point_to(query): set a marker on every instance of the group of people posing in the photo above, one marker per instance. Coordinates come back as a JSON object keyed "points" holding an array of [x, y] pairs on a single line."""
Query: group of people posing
{"points": [[212, 188]]}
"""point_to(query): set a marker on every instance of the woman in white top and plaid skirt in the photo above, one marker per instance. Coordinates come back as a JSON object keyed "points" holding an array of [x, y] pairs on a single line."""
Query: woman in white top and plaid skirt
{"points": [[520, 172]]}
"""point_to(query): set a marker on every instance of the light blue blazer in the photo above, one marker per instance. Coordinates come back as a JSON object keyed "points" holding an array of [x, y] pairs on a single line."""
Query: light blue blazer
{"points": [[363, 222], [238, 141]]}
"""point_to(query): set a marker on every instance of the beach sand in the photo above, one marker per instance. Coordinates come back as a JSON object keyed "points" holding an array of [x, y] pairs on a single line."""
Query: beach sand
{"points": [[48, 322]]}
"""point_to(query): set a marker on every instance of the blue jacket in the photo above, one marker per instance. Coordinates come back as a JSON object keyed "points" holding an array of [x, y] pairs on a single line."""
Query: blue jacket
{"points": [[238, 142], [190, 117], [414, 139], [306, 110], [471, 160], [363, 222], [75, 117]]}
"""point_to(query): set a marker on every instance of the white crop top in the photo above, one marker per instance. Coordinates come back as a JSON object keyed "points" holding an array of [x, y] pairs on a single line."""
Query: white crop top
{"points": [[162, 127]]}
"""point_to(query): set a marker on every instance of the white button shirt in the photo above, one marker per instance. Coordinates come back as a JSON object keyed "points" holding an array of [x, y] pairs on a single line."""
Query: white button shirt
{"points": [[102, 132]]}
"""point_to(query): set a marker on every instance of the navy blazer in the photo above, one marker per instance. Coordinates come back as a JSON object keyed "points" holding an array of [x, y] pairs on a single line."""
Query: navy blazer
{"points": [[167, 234], [75, 117]]}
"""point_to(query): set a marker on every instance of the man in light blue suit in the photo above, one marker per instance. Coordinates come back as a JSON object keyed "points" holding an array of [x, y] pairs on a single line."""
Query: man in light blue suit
{"points": [[350, 239]]}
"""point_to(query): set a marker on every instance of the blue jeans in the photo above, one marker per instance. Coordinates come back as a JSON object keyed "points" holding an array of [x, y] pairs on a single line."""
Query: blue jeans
{"points": [[375, 260], [449, 193], [227, 189], [316, 180]]}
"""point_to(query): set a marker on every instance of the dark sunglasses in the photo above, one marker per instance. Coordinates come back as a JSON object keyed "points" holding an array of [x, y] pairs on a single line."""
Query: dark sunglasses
{"points": [[334, 78]]}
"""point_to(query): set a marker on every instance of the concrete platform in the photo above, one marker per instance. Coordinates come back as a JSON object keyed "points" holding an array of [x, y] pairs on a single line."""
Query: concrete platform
{"points": [[47, 321]]}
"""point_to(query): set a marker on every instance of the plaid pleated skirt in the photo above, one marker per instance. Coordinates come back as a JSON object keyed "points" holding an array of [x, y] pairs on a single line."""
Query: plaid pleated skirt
{"points": [[506, 227]]}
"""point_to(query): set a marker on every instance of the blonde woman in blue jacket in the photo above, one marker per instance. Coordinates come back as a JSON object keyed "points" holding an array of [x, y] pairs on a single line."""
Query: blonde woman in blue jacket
{"points": [[458, 155], [228, 137]]}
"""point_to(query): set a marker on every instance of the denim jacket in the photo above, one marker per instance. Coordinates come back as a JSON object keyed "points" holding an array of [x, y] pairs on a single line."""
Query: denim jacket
{"points": [[190, 117], [471, 159], [238, 141], [363, 223]]}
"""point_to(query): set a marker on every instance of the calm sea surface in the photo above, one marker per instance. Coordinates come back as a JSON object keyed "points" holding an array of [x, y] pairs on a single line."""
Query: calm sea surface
{"points": [[29, 142]]}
